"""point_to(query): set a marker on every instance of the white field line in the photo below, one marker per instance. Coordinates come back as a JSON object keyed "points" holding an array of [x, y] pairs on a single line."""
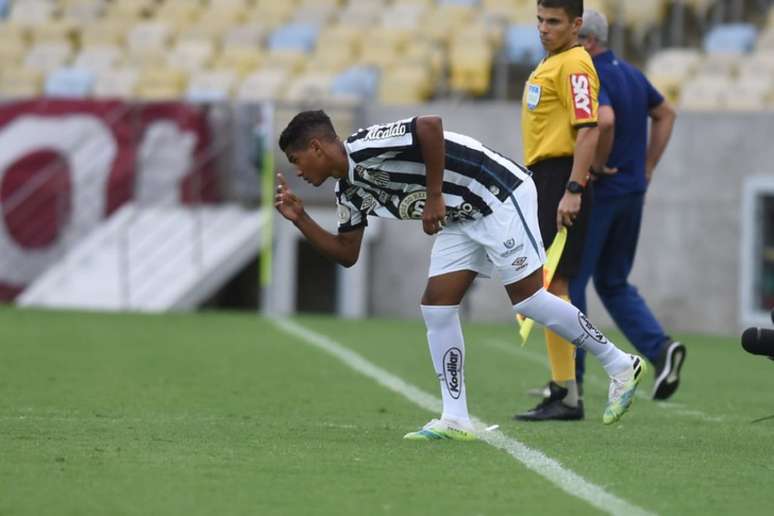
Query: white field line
{"points": [[514, 348], [564, 478]]}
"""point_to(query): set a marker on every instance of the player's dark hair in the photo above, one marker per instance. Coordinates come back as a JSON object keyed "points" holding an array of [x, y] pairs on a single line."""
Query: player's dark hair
{"points": [[305, 126], [573, 8]]}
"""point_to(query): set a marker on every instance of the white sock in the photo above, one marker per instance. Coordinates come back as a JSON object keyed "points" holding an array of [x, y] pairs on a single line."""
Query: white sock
{"points": [[568, 322], [447, 349]]}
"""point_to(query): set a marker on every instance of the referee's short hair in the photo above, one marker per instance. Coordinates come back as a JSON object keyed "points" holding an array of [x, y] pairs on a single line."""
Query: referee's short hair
{"points": [[573, 8], [305, 126]]}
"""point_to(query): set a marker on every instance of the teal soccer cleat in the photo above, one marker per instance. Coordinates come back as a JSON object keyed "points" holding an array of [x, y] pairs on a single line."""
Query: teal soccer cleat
{"points": [[622, 389], [438, 429]]}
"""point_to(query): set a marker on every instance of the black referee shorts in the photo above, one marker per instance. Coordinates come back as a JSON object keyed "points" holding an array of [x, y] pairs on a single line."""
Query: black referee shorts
{"points": [[550, 177]]}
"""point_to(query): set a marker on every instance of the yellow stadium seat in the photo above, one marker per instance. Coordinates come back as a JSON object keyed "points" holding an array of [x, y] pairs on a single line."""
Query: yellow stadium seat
{"points": [[704, 94], [148, 35], [211, 85], [405, 85], [245, 35], [443, 22], [45, 57], [290, 59], [242, 60], [191, 55], [178, 12], [160, 84], [106, 32], [330, 59], [148, 58], [32, 12], [20, 83], [426, 53], [271, 13], [309, 87], [130, 11], [757, 64], [344, 36], [264, 84], [52, 31], [12, 52], [83, 11], [717, 64], [382, 57], [116, 83], [749, 93], [98, 58], [471, 68]]}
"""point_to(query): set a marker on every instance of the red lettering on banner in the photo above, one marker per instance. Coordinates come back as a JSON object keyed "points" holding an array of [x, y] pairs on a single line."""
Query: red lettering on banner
{"points": [[581, 95]]}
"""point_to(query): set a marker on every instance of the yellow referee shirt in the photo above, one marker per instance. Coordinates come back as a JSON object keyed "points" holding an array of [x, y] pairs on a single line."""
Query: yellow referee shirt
{"points": [[561, 96]]}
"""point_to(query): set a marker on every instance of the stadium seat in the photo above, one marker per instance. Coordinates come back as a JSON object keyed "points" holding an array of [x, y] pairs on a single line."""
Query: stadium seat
{"points": [[309, 87], [52, 31], [359, 82], [444, 21], [766, 40], [757, 64], [719, 65], [405, 85], [69, 82], [45, 57], [148, 35], [106, 32], [407, 16], [160, 84], [211, 86], [670, 68], [129, 11], [704, 94], [731, 38], [271, 13], [522, 45], [20, 82], [265, 84], [250, 34], [294, 36], [12, 51], [4, 8], [178, 12], [191, 55], [84, 12], [291, 60], [749, 93], [471, 68], [116, 83], [332, 59], [341, 36], [98, 58], [242, 60], [32, 12]]}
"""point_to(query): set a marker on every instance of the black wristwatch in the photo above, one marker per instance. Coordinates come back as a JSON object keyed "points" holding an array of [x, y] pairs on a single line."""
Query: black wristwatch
{"points": [[575, 187]]}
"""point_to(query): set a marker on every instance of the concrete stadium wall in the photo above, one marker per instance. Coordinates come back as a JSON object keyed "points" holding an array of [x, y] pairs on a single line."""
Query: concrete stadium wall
{"points": [[687, 265]]}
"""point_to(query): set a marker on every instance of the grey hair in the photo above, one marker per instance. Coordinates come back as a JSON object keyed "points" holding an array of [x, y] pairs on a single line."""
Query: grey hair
{"points": [[594, 24]]}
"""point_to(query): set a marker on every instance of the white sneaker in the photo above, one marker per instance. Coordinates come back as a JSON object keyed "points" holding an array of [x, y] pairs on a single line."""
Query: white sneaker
{"points": [[442, 429], [622, 389]]}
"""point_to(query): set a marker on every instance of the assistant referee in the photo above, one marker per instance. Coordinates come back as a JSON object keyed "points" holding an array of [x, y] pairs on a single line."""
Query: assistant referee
{"points": [[559, 128]]}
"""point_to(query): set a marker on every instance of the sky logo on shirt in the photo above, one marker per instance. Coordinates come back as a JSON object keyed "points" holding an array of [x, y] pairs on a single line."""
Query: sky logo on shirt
{"points": [[581, 95]]}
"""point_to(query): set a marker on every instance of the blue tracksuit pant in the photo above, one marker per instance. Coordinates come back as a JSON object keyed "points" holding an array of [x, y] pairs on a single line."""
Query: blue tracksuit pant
{"points": [[608, 257]]}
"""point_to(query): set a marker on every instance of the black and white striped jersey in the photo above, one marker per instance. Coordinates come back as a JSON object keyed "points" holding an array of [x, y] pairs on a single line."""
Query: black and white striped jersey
{"points": [[386, 176]]}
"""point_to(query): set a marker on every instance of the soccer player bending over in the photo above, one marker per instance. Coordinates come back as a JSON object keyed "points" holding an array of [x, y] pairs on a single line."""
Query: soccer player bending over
{"points": [[483, 207]]}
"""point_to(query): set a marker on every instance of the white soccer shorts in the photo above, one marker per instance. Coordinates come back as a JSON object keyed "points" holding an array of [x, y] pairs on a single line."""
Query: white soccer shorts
{"points": [[499, 240]]}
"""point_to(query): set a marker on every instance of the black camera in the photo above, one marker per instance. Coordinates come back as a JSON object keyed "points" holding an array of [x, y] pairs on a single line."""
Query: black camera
{"points": [[759, 341]]}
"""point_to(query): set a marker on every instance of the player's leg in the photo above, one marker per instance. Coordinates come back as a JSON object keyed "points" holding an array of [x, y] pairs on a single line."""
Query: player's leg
{"points": [[523, 282], [454, 264], [624, 303]]}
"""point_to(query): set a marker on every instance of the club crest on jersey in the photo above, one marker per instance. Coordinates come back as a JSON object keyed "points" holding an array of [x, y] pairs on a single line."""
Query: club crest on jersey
{"points": [[343, 214], [533, 96], [379, 132], [412, 206], [581, 95]]}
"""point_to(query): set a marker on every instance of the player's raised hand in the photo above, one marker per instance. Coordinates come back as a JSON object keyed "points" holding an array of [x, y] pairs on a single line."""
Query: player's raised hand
{"points": [[287, 203], [433, 214]]}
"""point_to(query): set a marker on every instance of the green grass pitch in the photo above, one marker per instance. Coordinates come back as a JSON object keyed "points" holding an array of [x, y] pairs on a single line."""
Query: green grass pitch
{"points": [[219, 413]]}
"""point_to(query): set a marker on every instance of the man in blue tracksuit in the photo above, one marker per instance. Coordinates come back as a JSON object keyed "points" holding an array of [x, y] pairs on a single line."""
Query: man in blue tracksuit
{"points": [[623, 167]]}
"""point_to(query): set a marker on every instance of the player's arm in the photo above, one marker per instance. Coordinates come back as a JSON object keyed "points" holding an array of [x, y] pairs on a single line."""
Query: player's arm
{"points": [[606, 126], [429, 131], [343, 248], [663, 120], [585, 147]]}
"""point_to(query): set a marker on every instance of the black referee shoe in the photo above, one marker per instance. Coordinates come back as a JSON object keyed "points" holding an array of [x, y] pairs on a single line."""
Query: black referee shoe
{"points": [[552, 408], [668, 366]]}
